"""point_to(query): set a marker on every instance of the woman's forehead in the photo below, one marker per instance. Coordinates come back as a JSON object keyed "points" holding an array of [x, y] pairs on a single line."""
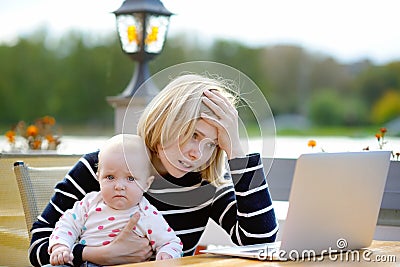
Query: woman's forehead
{"points": [[206, 130]]}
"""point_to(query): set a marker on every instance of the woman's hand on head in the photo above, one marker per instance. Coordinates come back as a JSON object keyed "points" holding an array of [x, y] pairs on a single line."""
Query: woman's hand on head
{"points": [[127, 247], [226, 123]]}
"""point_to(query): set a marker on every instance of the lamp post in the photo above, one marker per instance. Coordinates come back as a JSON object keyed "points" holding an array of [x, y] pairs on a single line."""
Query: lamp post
{"points": [[142, 27]]}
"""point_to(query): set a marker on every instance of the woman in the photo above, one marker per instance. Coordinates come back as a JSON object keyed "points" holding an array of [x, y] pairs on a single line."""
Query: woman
{"points": [[190, 128]]}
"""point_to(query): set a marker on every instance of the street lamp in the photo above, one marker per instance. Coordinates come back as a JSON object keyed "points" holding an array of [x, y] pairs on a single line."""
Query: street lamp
{"points": [[142, 27]]}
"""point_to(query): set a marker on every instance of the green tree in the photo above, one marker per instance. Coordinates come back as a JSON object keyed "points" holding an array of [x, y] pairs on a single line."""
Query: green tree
{"points": [[376, 80], [326, 108], [70, 78], [387, 107]]}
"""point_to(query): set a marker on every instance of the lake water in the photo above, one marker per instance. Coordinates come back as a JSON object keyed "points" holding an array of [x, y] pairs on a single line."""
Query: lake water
{"points": [[285, 147]]}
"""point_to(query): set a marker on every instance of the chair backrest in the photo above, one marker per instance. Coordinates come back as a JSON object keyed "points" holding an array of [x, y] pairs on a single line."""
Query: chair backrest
{"points": [[36, 186]]}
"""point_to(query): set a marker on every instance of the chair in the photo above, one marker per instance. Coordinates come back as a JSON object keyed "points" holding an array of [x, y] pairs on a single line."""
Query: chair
{"points": [[36, 186]]}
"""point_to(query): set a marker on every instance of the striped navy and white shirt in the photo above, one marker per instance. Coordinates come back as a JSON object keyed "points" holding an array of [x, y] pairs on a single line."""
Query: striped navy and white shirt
{"points": [[242, 206]]}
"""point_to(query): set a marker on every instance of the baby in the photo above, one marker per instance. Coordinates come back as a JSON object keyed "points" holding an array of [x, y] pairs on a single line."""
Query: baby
{"points": [[124, 174]]}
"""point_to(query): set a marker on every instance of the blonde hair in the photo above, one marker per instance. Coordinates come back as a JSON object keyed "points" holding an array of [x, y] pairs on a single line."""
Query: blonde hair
{"points": [[175, 111]]}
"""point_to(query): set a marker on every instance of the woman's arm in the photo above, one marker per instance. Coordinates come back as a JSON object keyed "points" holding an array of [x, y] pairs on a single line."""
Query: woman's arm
{"points": [[245, 210]]}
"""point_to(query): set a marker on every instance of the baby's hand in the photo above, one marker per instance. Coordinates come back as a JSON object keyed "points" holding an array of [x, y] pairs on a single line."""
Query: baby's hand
{"points": [[60, 255], [163, 256]]}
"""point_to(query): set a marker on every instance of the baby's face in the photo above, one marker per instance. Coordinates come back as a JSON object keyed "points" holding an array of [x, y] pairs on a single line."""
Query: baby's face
{"points": [[121, 186]]}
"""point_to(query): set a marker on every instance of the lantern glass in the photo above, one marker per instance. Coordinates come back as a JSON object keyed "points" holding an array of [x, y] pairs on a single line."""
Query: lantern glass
{"points": [[130, 28], [156, 31]]}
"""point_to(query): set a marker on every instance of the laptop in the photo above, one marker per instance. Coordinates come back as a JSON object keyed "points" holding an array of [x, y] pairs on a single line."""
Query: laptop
{"points": [[334, 204]]}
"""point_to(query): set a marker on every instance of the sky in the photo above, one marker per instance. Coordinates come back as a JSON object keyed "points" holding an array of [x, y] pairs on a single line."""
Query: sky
{"points": [[348, 30]]}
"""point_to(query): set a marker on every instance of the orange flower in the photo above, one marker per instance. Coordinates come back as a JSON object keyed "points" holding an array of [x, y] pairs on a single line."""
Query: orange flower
{"points": [[312, 143], [50, 138], [380, 136], [36, 144], [49, 120], [10, 136], [32, 130], [34, 134]]}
